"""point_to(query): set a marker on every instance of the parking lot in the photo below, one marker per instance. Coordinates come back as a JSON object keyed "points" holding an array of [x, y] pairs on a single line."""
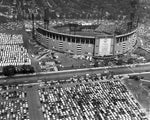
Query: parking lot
{"points": [[87, 97], [13, 103]]}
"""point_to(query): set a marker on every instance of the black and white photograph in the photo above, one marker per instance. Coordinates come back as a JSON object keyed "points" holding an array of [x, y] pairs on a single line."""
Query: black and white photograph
{"points": [[74, 59]]}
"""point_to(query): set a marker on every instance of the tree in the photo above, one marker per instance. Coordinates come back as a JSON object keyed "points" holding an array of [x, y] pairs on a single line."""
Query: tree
{"points": [[9, 70], [112, 73], [96, 64], [106, 61], [27, 69], [72, 66], [130, 61], [134, 3], [134, 77], [120, 62], [43, 63], [3, 19]]}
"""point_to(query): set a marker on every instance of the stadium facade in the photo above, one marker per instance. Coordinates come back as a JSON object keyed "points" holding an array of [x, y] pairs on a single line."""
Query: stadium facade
{"points": [[97, 45]]}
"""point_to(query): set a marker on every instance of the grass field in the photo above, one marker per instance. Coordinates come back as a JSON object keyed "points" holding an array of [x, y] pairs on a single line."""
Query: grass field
{"points": [[140, 91], [142, 52], [146, 76]]}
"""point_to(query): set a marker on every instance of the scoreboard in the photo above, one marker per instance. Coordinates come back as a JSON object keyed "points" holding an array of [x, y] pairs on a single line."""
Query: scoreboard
{"points": [[104, 45]]}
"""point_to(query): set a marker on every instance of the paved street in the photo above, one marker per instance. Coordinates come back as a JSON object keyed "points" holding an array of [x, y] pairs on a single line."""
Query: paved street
{"points": [[69, 73], [34, 103]]}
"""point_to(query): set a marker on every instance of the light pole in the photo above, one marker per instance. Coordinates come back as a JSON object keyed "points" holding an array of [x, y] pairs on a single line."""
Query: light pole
{"points": [[33, 17], [33, 33]]}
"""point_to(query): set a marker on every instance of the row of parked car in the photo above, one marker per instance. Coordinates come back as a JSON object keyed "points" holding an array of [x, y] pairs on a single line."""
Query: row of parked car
{"points": [[12, 50], [13, 103], [99, 100]]}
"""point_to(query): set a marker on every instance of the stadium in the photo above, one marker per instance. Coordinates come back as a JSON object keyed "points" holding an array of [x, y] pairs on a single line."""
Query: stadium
{"points": [[89, 44]]}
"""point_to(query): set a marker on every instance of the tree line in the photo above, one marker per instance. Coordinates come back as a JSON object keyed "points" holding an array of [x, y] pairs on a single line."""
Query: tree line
{"points": [[12, 70]]}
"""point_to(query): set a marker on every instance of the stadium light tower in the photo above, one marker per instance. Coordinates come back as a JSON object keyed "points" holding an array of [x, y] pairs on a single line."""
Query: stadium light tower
{"points": [[46, 18], [33, 32], [33, 17], [134, 18]]}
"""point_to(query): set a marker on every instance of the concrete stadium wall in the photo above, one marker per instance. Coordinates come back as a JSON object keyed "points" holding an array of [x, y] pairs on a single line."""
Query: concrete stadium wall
{"points": [[65, 46], [123, 43]]}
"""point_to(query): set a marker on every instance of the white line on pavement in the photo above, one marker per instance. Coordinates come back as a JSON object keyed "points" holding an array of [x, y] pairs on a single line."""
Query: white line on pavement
{"points": [[131, 69]]}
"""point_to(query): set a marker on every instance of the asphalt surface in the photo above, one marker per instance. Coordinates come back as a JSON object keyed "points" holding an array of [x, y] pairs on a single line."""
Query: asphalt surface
{"points": [[69, 73], [34, 104]]}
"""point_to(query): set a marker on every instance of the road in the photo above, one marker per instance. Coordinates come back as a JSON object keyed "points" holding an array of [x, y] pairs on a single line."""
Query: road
{"points": [[69, 73], [34, 103]]}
